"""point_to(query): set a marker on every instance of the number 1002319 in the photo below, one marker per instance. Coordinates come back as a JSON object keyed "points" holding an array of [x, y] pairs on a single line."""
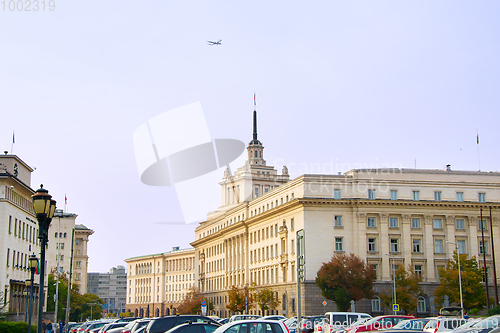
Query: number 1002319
{"points": [[27, 5]]}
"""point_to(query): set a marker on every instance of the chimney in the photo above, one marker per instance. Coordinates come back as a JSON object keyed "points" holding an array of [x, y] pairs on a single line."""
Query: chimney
{"points": [[448, 167]]}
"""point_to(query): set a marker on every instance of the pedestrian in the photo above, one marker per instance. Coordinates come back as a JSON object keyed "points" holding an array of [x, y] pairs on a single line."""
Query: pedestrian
{"points": [[49, 326], [61, 326], [44, 326]]}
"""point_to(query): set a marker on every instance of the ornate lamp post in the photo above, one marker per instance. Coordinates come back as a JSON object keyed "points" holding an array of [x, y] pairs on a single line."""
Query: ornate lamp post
{"points": [[44, 208], [33, 264]]}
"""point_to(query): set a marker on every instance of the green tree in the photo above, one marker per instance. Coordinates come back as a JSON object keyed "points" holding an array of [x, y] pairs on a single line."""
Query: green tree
{"points": [[345, 278], [238, 297], [264, 297], [407, 289], [192, 303], [62, 293], [473, 293]]}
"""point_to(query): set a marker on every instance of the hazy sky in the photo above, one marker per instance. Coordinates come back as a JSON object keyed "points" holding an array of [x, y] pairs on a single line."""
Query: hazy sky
{"points": [[340, 85]]}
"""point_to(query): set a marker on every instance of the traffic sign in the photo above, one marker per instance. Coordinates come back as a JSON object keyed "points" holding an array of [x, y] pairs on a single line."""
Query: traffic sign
{"points": [[324, 303], [203, 302], [395, 307]]}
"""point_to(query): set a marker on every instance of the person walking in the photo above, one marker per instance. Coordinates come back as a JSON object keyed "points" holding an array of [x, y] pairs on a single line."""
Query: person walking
{"points": [[49, 327], [61, 326], [44, 326]]}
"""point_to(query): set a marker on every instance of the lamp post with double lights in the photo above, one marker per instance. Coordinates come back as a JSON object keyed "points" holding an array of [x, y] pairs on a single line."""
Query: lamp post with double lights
{"points": [[44, 208], [33, 264], [459, 277]]}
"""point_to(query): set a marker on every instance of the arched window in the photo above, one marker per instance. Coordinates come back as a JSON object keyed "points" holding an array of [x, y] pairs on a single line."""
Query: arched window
{"points": [[421, 304], [376, 304]]}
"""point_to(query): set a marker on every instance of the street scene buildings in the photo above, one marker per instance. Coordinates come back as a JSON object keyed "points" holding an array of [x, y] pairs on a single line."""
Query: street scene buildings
{"points": [[387, 217], [111, 287]]}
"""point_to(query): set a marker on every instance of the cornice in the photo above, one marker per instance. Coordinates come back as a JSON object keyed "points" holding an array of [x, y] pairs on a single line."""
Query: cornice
{"points": [[396, 203]]}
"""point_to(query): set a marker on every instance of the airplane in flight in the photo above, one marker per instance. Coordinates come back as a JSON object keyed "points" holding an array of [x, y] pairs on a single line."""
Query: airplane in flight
{"points": [[219, 42]]}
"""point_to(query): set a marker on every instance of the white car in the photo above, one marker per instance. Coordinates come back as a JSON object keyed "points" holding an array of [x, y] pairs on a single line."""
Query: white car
{"points": [[253, 326], [443, 324], [243, 317]]}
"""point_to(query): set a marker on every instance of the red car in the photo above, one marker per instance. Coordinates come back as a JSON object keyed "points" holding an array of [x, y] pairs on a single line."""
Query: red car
{"points": [[378, 323]]}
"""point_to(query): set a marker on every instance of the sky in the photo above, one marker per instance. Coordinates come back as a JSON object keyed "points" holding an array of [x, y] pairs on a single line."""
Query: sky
{"points": [[339, 85]]}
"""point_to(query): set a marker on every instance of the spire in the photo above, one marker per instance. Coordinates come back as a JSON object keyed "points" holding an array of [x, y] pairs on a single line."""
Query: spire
{"points": [[254, 119]]}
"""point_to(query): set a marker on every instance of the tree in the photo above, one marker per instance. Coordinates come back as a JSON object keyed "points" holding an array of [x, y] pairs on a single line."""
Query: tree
{"points": [[345, 278], [408, 289], [192, 303], [62, 293], [264, 297], [238, 297], [473, 293]]}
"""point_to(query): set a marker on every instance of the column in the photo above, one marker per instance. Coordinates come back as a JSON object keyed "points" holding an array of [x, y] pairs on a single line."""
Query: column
{"points": [[385, 243], [429, 245], [473, 246], [360, 233], [407, 242]]}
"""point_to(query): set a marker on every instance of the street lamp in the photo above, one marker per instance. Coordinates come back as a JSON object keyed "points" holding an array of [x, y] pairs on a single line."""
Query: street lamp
{"points": [[459, 277], [91, 304], [33, 264], [44, 208], [394, 278]]}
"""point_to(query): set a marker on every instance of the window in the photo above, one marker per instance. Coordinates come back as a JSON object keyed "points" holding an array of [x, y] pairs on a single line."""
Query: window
{"points": [[415, 223], [461, 246], [394, 195], [371, 194], [421, 304], [393, 222], [438, 246], [415, 195], [338, 221], [416, 246], [394, 245], [375, 267], [481, 224], [256, 193], [372, 245], [8, 255], [376, 304], [292, 223], [78, 264], [437, 271], [78, 276], [418, 269], [55, 235], [338, 244], [10, 224], [437, 195], [482, 197], [438, 224], [460, 224], [77, 241], [485, 247], [460, 196], [337, 194], [371, 222]]}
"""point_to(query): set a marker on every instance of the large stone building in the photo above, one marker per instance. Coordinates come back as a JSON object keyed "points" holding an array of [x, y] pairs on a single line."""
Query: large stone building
{"points": [[110, 287], [18, 232], [387, 217], [59, 248], [157, 283]]}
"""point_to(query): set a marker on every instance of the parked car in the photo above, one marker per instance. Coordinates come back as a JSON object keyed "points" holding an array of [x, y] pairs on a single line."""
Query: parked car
{"points": [[194, 328], [470, 322], [335, 320], [136, 325], [357, 323], [274, 317], [243, 317], [126, 319], [222, 321], [378, 323], [484, 326], [110, 326], [163, 324], [95, 326], [307, 324], [444, 324], [410, 325], [253, 326]]}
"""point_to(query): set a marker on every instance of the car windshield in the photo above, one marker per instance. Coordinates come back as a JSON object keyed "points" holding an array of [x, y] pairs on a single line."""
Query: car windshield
{"points": [[490, 322]]}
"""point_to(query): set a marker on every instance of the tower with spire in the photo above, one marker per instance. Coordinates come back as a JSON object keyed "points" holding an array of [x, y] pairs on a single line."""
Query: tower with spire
{"points": [[253, 179]]}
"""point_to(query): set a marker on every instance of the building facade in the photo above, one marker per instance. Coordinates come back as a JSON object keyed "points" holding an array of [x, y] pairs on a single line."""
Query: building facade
{"points": [[59, 248], [19, 233], [387, 217], [111, 288], [157, 283]]}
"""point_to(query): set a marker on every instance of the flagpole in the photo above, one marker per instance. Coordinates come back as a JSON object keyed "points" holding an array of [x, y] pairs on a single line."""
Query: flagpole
{"points": [[478, 158], [13, 141]]}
